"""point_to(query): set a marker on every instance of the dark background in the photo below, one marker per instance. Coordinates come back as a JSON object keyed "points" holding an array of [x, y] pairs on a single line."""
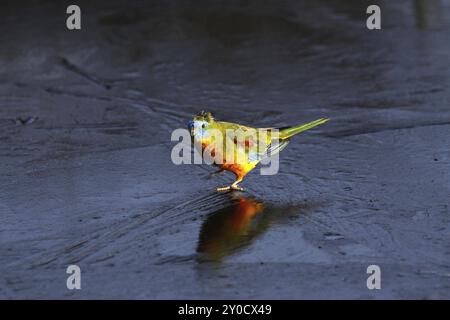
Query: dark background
{"points": [[86, 175]]}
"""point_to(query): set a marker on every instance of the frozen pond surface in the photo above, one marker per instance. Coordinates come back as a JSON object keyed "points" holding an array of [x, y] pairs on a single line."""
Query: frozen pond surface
{"points": [[89, 181]]}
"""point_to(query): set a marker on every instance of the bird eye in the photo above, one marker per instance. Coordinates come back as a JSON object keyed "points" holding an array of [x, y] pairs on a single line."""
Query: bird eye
{"points": [[203, 126]]}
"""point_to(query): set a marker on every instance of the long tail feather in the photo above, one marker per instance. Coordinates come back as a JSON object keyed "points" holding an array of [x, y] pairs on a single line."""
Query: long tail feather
{"points": [[289, 132]]}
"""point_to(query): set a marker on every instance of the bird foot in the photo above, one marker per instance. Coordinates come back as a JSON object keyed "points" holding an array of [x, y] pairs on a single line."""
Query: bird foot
{"points": [[222, 189], [236, 187], [228, 188]]}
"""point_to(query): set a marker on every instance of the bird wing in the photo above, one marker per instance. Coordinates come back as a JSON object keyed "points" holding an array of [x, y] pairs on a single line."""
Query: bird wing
{"points": [[249, 138], [271, 150], [249, 142]]}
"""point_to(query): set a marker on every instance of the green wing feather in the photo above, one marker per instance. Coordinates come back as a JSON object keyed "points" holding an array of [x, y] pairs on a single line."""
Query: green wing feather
{"points": [[272, 148]]}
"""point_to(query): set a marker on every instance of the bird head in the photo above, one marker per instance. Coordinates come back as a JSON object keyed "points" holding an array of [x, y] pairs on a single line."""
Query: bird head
{"points": [[200, 124]]}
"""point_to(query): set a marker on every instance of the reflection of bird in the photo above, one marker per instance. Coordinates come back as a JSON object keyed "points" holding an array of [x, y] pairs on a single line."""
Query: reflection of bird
{"points": [[248, 148], [229, 227], [239, 224]]}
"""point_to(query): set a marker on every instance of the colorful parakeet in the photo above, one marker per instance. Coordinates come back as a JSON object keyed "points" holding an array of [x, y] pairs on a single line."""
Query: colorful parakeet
{"points": [[248, 145]]}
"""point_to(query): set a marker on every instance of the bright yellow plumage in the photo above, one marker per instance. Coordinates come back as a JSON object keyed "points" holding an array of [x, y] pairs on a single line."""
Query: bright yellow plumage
{"points": [[239, 148]]}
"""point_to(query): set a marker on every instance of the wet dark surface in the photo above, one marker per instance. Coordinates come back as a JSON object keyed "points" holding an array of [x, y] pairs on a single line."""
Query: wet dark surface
{"points": [[87, 179]]}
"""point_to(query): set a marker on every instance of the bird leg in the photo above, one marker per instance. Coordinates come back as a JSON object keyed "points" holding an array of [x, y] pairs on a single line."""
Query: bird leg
{"points": [[233, 186]]}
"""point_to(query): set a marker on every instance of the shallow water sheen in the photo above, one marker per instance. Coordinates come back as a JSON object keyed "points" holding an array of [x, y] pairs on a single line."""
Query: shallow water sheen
{"points": [[89, 179]]}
